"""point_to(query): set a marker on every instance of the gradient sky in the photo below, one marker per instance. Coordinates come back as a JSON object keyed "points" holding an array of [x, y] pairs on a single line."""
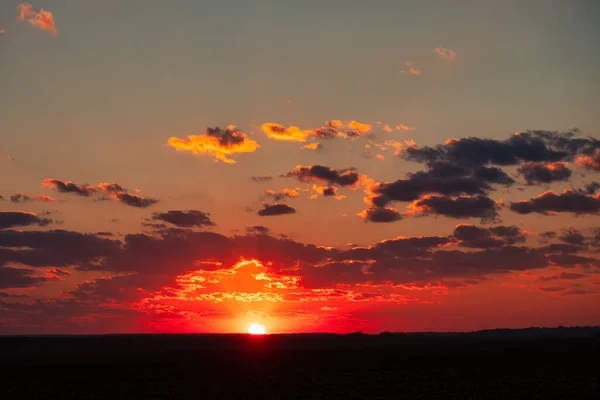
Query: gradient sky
{"points": [[95, 92]]}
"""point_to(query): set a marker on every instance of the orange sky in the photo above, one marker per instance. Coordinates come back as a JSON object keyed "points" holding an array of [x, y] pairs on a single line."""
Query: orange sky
{"points": [[393, 174]]}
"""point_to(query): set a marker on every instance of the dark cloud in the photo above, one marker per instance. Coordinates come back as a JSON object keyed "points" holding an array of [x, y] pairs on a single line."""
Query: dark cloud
{"points": [[184, 219], [263, 178], [70, 187], [460, 207], [592, 187], [561, 276], [276, 209], [257, 230], [536, 146], [110, 190], [10, 219], [53, 248], [537, 172], [19, 278], [572, 236], [441, 178], [481, 237], [381, 214], [341, 177], [552, 289], [572, 201], [24, 198]]}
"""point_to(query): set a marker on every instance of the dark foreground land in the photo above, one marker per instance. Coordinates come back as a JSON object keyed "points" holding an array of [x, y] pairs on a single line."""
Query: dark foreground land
{"points": [[300, 367]]}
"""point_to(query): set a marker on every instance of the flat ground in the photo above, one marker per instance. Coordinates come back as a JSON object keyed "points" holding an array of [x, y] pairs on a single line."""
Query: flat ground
{"points": [[298, 367]]}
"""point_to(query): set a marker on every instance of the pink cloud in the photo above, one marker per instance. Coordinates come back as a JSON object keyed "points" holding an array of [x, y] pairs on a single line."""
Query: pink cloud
{"points": [[39, 18]]}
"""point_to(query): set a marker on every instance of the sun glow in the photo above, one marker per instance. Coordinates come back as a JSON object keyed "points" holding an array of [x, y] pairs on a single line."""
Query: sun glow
{"points": [[256, 329]]}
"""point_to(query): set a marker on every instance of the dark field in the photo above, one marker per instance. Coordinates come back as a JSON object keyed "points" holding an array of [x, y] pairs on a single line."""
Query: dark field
{"points": [[299, 367]]}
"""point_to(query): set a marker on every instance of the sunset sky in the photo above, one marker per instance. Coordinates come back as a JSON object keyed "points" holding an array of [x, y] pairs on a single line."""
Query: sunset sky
{"points": [[340, 166]]}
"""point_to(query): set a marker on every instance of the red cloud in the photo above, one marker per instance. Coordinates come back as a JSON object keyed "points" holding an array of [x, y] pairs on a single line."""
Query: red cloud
{"points": [[39, 18], [445, 53]]}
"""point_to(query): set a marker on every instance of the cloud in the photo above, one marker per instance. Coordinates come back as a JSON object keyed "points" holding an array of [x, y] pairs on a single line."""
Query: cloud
{"points": [[537, 172], [24, 198], [591, 162], [279, 132], [319, 173], [69, 187], [257, 230], [276, 209], [331, 129], [410, 70], [405, 128], [10, 219], [119, 193], [11, 278], [184, 219], [550, 202], [111, 190], [471, 236], [326, 191], [445, 53], [39, 18], [380, 214], [283, 195], [592, 188], [440, 178], [53, 248], [460, 207], [552, 289], [561, 276], [216, 142], [536, 146], [313, 146], [263, 178]]}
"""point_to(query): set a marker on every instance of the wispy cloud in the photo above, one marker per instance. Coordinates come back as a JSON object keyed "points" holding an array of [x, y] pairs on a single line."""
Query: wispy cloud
{"points": [[445, 53], [41, 18]]}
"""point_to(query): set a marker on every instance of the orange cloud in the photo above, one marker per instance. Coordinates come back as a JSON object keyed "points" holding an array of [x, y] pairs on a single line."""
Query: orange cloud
{"points": [[590, 162], [39, 18], [410, 70], [387, 128], [445, 53], [279, 132], [331, 129], [2, 30], [217, 143], [326, 191], [380, 157], [313, 146], [405, 128], [360, 127]]}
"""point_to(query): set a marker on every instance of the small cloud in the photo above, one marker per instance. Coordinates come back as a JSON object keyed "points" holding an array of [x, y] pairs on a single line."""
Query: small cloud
{"points": [[264, 178], [380, 214], [313, 146], [402, 127], [276, 209], [216, 142], [283, 195], [445, 53], [24, 198], [184, 219], [410, 70], [39, 18]]}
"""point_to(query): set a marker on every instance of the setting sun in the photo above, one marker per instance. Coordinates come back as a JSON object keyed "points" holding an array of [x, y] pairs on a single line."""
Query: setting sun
{"points": [[256, 329]]}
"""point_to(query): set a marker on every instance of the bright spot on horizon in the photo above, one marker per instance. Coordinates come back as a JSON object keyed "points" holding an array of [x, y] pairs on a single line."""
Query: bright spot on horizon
{"points": [[256, 329]]}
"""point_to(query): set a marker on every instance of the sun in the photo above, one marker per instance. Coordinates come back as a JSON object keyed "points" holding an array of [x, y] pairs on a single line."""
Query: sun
{"points": [[256, 329]]}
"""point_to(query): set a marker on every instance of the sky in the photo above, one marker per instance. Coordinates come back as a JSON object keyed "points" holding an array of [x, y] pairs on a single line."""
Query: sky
{"points": [[308, 166]]}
